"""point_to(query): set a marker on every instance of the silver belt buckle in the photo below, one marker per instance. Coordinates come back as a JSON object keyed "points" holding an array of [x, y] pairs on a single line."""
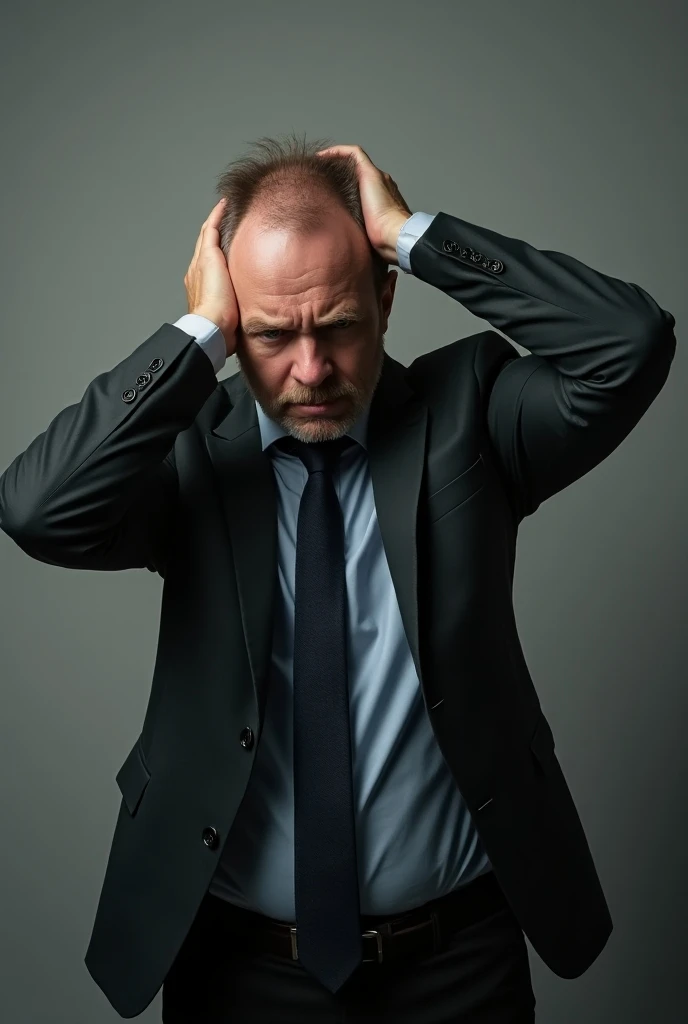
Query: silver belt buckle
{"points": [[378, 958], [365, 960]]}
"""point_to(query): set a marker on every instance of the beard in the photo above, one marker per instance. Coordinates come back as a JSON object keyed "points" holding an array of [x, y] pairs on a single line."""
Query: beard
{"points": [[317, 427]]}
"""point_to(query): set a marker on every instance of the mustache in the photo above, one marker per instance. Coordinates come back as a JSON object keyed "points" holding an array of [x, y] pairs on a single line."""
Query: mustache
{"points": [[315, 397]]}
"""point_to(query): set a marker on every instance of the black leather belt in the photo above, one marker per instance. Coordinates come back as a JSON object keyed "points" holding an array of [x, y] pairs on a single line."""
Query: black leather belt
{"points": [[421, 930]]}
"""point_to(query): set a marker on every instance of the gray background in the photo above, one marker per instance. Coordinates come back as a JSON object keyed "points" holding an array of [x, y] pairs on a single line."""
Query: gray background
{"points": [[561, 124]]}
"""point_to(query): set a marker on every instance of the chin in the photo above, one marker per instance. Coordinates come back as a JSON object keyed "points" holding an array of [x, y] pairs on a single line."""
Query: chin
{"points": [[317, 428]]}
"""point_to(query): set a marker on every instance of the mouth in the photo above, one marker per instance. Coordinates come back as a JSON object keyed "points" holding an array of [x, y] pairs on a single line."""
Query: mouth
{"points": [[318, 410]]}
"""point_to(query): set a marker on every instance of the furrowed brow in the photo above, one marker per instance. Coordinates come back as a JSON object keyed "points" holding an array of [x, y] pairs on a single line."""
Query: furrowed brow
{"points": [[254, 324]]}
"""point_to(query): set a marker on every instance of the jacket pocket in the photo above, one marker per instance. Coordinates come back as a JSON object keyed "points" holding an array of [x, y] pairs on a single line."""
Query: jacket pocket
{"points": [[133, 777], [457, 490]]}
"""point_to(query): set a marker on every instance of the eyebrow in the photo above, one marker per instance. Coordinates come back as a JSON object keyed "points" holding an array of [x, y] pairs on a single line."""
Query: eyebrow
{"points": [[254, 324]]}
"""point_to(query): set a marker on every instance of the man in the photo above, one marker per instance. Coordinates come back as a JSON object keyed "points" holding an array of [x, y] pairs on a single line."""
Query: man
{"points": [[347, 607]]}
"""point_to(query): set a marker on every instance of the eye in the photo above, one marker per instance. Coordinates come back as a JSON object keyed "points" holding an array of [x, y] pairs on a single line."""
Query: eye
{"points": [[337, 325]]}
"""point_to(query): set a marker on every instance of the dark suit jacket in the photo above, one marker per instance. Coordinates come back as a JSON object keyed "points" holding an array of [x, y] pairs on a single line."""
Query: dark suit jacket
{"points": [[160, 465]]}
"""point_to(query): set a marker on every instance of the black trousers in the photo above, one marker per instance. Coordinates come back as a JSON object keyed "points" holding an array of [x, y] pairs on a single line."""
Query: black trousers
{"points": [[481, 975]]}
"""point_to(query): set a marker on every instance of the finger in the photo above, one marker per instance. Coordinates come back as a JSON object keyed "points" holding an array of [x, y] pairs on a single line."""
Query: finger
{"points": [[210, 237], [213, 218], [199, 241], [211, 228], [198, 244], [364, 165], [355, 151], [215, 215], [340, 148]]}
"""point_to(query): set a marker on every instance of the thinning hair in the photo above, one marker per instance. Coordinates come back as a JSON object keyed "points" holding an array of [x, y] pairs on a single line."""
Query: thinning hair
{"points": [[292, 187]]}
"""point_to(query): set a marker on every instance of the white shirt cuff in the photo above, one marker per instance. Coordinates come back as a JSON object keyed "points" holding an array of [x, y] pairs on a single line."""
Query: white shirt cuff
{"points": [[411, 230], [207, 336]]}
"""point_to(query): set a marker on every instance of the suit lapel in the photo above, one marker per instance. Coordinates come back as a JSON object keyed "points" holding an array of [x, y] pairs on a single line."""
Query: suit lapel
{"points": [[396, 453], [248, 491]]}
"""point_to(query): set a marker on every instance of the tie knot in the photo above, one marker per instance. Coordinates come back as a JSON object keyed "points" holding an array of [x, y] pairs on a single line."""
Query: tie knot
{"points": [[317, 456]]}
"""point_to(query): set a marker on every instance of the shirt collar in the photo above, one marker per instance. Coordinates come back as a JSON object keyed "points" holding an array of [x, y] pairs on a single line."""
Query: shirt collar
{"points": [[270, 430]]}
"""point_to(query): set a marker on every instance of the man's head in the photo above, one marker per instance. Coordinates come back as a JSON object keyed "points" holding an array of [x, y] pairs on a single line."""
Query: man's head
{"points": [[298, 256]]}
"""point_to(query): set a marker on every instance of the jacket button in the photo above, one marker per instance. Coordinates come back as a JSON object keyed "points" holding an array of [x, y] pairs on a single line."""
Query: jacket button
{"points": [[246, 737], [143, 379], [155, 364], [129, 395], [210, 837]]}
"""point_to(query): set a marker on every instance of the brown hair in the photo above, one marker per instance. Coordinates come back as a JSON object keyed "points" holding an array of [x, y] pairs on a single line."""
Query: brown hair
{"points": [[292, 187]]}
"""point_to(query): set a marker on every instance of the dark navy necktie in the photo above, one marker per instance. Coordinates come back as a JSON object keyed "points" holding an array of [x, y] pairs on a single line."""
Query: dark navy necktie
{"points": [[326, 893]]}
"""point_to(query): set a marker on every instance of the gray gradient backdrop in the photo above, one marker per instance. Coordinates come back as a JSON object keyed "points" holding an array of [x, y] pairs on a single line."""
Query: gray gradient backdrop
{"points": [[562, 124]]}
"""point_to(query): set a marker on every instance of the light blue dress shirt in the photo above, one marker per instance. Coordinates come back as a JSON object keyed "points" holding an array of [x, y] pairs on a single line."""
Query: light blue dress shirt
{"points": [[415, 838]]}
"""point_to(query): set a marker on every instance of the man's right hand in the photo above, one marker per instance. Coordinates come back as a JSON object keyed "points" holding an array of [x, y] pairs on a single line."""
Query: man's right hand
{"points": [[209, 288]]}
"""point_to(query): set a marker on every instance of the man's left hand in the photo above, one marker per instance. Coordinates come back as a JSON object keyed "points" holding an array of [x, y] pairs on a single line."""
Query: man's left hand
{"points": [[384, 208]]}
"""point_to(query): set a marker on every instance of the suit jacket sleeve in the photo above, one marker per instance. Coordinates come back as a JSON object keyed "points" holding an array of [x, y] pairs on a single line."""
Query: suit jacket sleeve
{"points": [[97, 489], [600, 349]]}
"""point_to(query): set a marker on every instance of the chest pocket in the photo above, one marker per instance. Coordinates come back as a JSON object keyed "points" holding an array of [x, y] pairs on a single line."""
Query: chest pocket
{"points": [[458, 490]]}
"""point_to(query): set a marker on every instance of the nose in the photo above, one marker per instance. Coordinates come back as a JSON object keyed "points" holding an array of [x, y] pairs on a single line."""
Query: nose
{"points": [[312, 365]]}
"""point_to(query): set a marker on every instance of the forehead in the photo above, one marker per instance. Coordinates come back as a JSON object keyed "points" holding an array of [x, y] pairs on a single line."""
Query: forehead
{"points": [[284, 261]]}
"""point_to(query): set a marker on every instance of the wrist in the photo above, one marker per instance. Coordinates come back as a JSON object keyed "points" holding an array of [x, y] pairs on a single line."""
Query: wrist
{"points": [[207, 314], [388, 250]]}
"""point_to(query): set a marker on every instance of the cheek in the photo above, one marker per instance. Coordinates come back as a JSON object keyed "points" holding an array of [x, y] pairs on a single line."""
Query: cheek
{"points": [[268, 371], [274, 374], [355, 359]]}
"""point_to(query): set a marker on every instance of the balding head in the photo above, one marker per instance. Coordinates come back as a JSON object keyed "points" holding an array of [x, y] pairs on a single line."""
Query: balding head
{"points": [[292, 273], [285, 261]]}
